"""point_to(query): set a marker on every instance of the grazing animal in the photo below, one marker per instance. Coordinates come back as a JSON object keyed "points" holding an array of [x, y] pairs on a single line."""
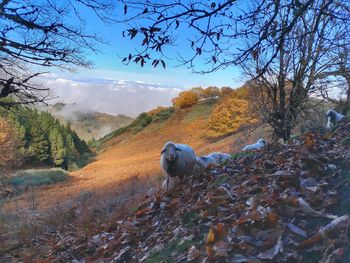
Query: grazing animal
{"points": [[177, 160], [333, 118], [220, 157], [206, 161], [256, 146]]}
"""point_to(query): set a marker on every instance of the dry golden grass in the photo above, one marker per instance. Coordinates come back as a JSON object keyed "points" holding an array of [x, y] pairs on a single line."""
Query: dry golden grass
{"points": [[139, 154]]}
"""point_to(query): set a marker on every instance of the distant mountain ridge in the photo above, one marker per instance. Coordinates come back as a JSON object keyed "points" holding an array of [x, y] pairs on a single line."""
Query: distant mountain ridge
{"points": [[87, 123]]}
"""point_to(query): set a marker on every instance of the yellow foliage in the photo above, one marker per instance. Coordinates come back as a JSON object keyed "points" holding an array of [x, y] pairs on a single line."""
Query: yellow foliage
{"points": [[8, 145], [211, 93], [185, 99], [230, 115]]}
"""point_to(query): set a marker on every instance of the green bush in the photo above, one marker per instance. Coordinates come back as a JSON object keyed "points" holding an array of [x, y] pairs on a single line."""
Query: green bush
{"points": [[83, 160], [164, 114], [38, 177]]}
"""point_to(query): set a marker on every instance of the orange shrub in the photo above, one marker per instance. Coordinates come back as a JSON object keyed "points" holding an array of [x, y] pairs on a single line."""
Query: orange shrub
{"points": [[185, 99], [230, 115]]}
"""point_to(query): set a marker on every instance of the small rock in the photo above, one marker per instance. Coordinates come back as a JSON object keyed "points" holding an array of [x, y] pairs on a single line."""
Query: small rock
{"points": [[332, 166], [162, 205]]}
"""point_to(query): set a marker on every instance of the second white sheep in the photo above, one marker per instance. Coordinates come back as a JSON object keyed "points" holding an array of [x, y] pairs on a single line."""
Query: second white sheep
{"points": [[220, 157], [206, 161]]}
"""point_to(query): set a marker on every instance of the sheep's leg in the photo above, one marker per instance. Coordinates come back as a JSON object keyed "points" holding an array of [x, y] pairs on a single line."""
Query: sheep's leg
{"points": [[192, 175], [181, 180], [167, 182], [329, 123]]}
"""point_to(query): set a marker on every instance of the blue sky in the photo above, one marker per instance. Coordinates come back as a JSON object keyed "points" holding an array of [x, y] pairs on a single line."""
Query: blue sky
{"points": [[108, 64]]}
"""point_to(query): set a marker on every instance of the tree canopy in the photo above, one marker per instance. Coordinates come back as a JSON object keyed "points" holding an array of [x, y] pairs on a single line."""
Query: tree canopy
{"points": [[36, 35]]}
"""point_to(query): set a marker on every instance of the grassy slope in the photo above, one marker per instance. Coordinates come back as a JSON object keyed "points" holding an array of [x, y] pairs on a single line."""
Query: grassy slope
{"points": [[129, 154]]}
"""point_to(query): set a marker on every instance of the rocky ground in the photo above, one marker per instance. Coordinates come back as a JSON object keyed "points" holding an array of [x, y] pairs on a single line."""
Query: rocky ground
{"points": [[290, 204]]}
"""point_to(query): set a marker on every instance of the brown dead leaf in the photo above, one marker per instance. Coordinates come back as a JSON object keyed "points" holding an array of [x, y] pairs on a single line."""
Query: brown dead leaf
{"points": [[142, 212], [210, 236], [272, 218], [311, 241]]}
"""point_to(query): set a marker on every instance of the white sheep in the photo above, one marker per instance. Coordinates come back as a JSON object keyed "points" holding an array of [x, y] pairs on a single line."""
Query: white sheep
{"points": [[256, 146], [206, 161], [177, 160], [220, 157], [333, 118]]}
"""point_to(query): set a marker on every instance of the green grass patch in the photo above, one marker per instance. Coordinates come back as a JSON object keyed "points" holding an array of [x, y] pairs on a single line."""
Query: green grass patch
{"points": [[202, 110], [242, 154], [164, 114], [166, 254], [143, 120], [191, 218], [39, 177]]}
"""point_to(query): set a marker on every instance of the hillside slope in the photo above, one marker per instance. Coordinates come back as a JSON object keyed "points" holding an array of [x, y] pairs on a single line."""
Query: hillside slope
{"points": [[128, 155], [89, 124]]}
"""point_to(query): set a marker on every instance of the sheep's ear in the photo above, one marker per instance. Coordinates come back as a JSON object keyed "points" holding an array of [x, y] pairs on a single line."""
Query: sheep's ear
{"points": [[178, 149], [163, 151]]}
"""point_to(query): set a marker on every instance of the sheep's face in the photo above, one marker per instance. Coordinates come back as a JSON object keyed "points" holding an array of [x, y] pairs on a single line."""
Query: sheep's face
{"points": [[261, 141], [170, 151], [331, 115]]}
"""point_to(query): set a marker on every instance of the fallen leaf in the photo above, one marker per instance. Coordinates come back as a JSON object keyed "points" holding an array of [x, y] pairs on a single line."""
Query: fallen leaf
{"points": [[273, 252], [296, 230]]}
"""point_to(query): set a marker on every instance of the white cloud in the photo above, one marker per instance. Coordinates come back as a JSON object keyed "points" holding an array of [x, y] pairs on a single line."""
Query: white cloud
{"points": [[111, 96]]}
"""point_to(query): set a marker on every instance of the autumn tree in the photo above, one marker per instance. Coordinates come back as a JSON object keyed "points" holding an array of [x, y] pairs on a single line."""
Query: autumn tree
{"points": [[185, 99], [9, 144], [226, 91], [211, 93], [284, 87], [229, 115]]}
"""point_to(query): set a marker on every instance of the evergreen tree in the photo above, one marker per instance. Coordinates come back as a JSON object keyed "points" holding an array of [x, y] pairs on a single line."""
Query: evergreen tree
{"points": [[57, 148], [71, 151], [39, 145], [43, 138]]}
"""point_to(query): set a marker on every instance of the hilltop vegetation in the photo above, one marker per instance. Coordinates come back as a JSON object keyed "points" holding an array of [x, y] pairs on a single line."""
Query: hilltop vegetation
{"points": [[143, 120], [232, 110]]}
